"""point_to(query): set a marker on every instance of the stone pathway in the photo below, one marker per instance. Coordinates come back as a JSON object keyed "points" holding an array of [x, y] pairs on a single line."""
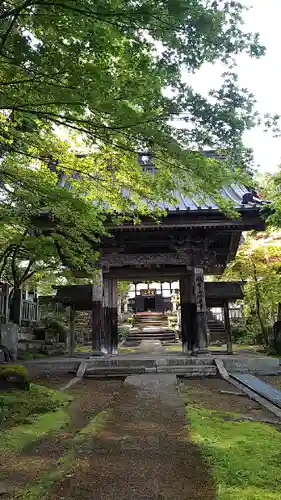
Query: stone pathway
{"points": [[144, 453]]}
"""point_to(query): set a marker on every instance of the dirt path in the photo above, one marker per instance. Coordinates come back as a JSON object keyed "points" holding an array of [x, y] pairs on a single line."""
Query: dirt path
{"points": [[143, 454]]}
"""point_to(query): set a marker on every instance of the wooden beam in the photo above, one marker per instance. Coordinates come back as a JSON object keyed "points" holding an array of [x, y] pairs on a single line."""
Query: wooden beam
{"points": [[246, 222]]}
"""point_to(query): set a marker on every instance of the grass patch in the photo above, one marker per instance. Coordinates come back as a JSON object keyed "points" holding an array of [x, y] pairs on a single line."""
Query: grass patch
{"points": [[29, 356], [83, 348], [126, 349], [244, 456], [29, 415], [176, 348], [67, 463]]}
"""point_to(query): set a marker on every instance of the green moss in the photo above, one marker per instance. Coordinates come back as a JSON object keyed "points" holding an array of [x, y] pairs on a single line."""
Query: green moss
{"points": [[83, 348], [15, 439], [126, 349], [244, 456], [67, 463], [96, 424], [17, 406], [27, 416], [19, 373]]}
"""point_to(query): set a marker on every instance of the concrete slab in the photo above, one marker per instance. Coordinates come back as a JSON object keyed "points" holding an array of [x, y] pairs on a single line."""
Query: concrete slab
{"points": [[266, 390], [260, 365]]}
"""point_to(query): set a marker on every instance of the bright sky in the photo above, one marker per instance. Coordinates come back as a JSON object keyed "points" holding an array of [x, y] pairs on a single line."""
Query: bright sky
{"points": [[262, 77]]}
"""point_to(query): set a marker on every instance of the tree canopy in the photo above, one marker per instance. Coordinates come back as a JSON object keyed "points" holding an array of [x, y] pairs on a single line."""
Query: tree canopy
{"points": [[112, 71], [258, 264], [84, 86]]}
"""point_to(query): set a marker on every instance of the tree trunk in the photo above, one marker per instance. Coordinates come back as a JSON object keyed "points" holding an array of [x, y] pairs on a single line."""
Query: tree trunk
{"points": [[15, 301], [258, 307], [279, 312]]}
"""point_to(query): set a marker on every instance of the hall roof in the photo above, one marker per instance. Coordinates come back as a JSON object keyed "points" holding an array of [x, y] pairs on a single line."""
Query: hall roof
{"points": [[235, 194], [240, 196]]}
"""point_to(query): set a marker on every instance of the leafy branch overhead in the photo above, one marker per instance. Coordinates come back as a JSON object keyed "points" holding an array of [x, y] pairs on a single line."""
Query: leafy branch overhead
{"points": [[113, 71], [84, 86]]}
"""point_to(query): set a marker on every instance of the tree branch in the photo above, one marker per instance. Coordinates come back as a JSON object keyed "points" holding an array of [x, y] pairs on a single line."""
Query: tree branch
{"points": [[16, 14], [26, 272], [4, 257]]}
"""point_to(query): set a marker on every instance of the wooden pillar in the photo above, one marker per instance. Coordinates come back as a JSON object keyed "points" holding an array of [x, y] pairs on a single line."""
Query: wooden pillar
{"points": [[188, 314], [113, 311], [97, 312], [71, 338], [106, 313], [202, 329], [110, 315], [227, 327]]}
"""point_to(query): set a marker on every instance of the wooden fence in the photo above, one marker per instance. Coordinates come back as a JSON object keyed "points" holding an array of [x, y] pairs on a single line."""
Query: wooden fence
{"points": [[235, 314], [28, 308]]}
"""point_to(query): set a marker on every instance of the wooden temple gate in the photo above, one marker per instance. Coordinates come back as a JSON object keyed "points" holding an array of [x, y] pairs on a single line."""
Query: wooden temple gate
{"points": [[190, 242]]}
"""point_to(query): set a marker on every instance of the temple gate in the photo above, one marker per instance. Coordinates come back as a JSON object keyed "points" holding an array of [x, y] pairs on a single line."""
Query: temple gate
{"points": [[192, 240]]}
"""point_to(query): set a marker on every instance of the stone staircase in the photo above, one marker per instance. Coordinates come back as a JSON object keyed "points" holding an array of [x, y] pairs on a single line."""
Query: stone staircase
{"points": [[217, 331], [150, 326], [186, 367]]}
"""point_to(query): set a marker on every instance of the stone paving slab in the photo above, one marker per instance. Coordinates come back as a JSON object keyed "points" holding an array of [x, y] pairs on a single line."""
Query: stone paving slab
{"points": [[252, 364]]}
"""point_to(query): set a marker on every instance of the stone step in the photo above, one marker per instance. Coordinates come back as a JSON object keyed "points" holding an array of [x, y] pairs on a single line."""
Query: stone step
{"points": [[152, 335], [183, 371], [150, 363], [150, 330], [149, 324]]}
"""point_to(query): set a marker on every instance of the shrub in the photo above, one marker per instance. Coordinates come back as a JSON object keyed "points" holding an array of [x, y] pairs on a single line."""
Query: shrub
{"points": [[40, 333], [15, 375], [53, 326], [122, 332], [246, 333]]}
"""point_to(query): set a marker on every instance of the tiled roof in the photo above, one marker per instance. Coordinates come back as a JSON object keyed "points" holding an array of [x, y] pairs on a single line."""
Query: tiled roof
{"points": [[240, 196]]}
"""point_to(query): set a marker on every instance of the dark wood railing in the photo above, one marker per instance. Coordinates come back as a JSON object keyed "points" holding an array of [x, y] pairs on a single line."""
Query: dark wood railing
{"points": [[28, 309]]}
